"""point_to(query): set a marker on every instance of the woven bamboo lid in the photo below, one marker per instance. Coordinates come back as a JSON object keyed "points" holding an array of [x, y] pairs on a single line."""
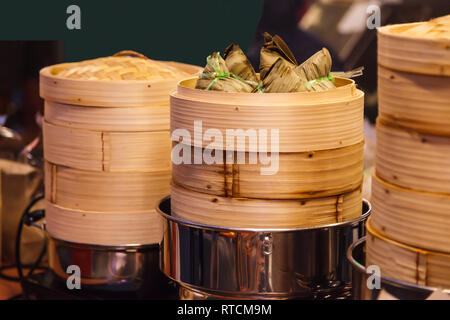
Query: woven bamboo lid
{"points": [[127, 79], [118, 67]]}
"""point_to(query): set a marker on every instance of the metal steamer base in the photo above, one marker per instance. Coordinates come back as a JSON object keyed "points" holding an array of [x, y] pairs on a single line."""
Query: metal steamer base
{"points": [[106, 272], [211, 262], [396, 289], [121, 269]]}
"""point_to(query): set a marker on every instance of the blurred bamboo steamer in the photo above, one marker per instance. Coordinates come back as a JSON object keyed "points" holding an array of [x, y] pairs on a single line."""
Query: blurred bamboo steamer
{"points": [[421, 47], [320, 156], [412, 217], [107, 146], [416, 101], [409, 228], [412, 159], [407, 263]]}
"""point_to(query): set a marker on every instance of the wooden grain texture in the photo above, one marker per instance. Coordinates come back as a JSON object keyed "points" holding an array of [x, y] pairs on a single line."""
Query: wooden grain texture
{"points": [[107, 151], [149, 118], [412, 54], [407, 263], [415, 101], [103, 228], [105, 191], [300, 175], [307, 121], [107, 93], [262, 213], [420, 219], [413, 160]]}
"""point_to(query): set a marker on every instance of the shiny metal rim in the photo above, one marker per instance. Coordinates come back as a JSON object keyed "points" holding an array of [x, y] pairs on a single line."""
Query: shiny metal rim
{"points": [[96, 247], [360, 268]]}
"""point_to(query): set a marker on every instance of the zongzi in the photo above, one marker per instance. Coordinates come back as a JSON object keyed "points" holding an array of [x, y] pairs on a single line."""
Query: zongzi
{"points": [[272, 49], [281, 77], [315, 71], [279, 70], [238, 63], [217, 76]]}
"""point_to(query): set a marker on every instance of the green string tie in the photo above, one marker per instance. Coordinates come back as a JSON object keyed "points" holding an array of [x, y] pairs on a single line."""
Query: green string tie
{"points": [[310, 83], [348, 74]]}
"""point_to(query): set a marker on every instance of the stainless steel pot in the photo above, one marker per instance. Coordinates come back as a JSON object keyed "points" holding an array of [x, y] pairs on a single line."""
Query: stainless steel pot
{"points": [[120, 268], [214, 262], [394, 288], [103, 265]]}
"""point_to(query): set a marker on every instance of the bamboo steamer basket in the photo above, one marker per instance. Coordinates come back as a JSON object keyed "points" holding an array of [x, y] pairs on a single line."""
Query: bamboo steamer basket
{"points": [[413, 160], [103, 228], [419, 102], [399, 48], [416, 218], [105, 191], [107, 147], [320, 157], [231, 212], [307, 121], [107, 151], [407, 263], [301, 175]]}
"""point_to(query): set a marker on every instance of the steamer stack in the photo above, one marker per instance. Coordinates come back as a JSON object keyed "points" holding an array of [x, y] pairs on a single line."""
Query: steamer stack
{"points": [[107, 148], [233, 231], [320, 169], [409, 231]]}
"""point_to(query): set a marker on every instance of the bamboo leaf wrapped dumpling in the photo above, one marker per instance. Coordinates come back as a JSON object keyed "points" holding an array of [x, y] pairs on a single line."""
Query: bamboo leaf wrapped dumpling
{"points": [[281, 77], [317, 66], [272, 49], [217, 76], [315, 72], [311, 75], [238, 63]]}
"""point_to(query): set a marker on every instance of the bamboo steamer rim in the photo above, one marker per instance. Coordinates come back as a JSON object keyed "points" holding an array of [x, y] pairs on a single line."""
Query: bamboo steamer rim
{"points": [[375, 233], [436, 195], [109, 93], [184, 222], [403, 57], [389, 30], [389, 124], [345, 88]]}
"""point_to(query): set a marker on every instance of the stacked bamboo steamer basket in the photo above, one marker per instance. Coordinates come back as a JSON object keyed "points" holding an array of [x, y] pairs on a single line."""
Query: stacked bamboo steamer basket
{"points": [[107, 147], [320, 169], [409, 230]]}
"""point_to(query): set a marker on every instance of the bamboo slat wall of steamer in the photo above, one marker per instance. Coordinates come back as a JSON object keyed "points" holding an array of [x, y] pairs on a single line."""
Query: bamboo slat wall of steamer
{"points": [[107, 147], [320, 162], [409, 230]]}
